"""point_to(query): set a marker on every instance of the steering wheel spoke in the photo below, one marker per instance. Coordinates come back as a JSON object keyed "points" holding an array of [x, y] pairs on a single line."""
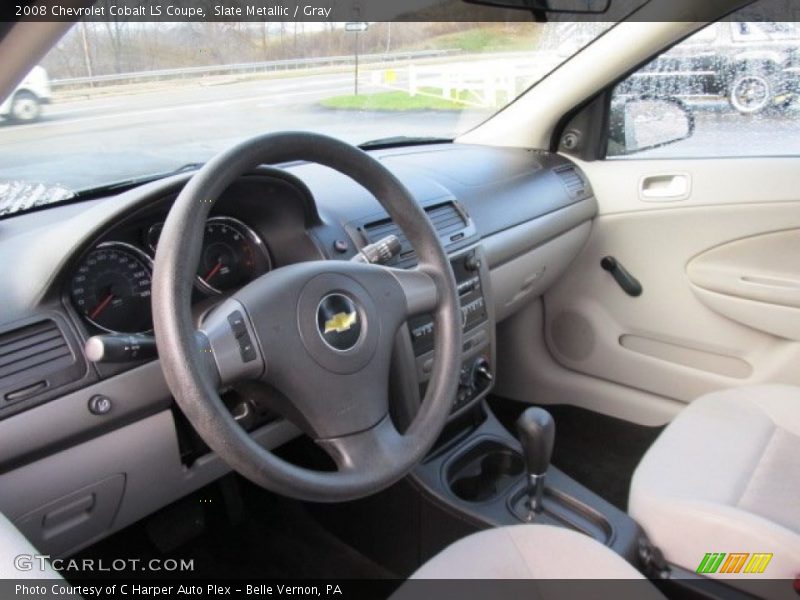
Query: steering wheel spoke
{"points": [[419, 289], [376, 448]]}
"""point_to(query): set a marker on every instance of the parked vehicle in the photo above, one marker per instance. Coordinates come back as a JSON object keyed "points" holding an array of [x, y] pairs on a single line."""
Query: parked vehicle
{"points": [[25, 104], [753, 65]]}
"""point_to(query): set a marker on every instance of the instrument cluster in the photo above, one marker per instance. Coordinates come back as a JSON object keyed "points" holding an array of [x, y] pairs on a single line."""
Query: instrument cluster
{"points": [[111, 286]]}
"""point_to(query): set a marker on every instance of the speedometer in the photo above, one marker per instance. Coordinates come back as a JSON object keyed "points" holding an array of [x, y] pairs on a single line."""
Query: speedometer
{"points": [[111, 288], [233, 255]]}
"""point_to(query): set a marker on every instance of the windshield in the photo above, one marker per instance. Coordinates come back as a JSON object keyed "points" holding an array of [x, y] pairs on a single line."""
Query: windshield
{"points": [[116, 101]]}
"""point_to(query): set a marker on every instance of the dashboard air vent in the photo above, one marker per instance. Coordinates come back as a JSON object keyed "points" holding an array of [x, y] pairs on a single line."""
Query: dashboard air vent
{"points": [[447, 219], [29, 356], [572, 180]]}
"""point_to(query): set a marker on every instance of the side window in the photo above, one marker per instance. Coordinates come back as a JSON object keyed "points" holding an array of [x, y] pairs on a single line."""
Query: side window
{"points": [[732, 89]]}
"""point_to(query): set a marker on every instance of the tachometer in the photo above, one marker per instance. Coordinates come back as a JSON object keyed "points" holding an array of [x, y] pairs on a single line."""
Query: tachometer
{"points": [[232, 256], [111, 288]]}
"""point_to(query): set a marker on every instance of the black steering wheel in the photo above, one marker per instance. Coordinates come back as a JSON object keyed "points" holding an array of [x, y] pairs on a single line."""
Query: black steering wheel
{"points": [[319, 332]]}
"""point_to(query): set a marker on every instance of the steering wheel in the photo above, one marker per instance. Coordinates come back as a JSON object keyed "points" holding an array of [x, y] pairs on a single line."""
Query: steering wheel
{"points": [[319, 332]]}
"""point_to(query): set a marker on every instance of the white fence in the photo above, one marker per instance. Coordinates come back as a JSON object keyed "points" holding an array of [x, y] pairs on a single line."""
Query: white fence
{"points": [[485, 81]]}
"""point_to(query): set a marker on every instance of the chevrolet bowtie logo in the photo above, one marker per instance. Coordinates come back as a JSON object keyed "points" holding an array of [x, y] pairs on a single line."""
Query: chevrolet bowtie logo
{"points": [[341, 322]]}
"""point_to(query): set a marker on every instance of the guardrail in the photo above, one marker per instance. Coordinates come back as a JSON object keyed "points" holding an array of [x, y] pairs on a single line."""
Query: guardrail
{"points": [[256, 67]]}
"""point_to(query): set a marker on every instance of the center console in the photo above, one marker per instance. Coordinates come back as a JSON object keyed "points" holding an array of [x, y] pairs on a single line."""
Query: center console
{"points": [[477, 364], [479, 472]]}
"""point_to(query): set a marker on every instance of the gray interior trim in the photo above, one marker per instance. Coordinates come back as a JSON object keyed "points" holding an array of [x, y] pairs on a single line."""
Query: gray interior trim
{"points": [[67, 420], [525, 278], [509, 244], [144, 453]]}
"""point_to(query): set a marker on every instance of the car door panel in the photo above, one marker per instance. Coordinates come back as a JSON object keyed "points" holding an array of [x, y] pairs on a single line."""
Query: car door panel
{"points": [[763, 268], [719, 272], [755, 281]]}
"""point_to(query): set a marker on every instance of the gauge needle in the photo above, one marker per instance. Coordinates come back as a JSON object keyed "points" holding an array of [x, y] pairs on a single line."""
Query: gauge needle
{"points": [[102, 306], [213, 271]]}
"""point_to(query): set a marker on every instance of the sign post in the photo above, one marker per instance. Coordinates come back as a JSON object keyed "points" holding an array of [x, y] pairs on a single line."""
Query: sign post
{"points": [[356, 27]]}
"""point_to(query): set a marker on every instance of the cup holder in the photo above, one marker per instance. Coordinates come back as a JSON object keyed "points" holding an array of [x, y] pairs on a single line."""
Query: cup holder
{"points": [[484, 472]]}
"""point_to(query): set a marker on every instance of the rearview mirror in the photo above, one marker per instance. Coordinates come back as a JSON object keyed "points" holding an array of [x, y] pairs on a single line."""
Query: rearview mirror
{"points": [[575, 7], [643, 123]]}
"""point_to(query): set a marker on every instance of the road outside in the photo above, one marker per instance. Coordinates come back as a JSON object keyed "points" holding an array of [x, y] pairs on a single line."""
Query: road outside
{"points": [[84, 141]]}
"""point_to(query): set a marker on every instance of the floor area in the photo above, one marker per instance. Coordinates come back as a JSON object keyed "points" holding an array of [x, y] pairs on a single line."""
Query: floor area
{"points": [[251, 533], [598, 451]]}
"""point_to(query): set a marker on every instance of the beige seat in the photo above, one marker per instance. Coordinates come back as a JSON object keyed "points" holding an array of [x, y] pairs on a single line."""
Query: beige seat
{"points": [[525, 552], [18, 556], [556, 561], [725, 477]]}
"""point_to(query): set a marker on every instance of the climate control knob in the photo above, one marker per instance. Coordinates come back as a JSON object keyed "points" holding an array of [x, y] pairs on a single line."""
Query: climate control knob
{"points": [[472, 262]]}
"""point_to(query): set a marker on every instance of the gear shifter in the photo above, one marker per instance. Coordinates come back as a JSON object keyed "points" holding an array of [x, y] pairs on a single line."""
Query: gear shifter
{"points": [[536, 430]]}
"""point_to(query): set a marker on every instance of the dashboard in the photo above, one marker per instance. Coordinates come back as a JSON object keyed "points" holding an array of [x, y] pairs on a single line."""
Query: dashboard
{"points": [[511, 221]]}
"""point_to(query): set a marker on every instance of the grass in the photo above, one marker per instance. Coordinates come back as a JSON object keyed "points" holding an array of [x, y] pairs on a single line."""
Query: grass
{"points": [[487, 39], [395, 101]]}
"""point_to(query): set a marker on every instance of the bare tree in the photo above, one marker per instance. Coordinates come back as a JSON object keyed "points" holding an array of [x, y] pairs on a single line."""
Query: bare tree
{"points": [[115, 35], [264, 47]]}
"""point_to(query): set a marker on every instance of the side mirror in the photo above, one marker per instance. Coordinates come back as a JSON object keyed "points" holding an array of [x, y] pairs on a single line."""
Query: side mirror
{"points": [[643, 123]]}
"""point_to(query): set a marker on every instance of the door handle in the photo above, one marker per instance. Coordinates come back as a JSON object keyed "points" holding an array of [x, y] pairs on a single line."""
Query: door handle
{"points": [[629, 284], [665, 188]]}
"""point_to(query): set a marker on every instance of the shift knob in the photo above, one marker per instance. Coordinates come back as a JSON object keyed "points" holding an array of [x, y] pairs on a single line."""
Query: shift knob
{"points": [[537, 432]]}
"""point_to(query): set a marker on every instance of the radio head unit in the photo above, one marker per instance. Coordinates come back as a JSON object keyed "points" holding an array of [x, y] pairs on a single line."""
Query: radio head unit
{"points": [[477, 353]]}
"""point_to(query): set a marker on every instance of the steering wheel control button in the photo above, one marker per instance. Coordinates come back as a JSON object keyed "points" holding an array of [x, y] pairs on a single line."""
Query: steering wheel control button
{"points": [[237, 324], [229, 344], [339, 322], [246, 348], [239, 329], [99, 405]]}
